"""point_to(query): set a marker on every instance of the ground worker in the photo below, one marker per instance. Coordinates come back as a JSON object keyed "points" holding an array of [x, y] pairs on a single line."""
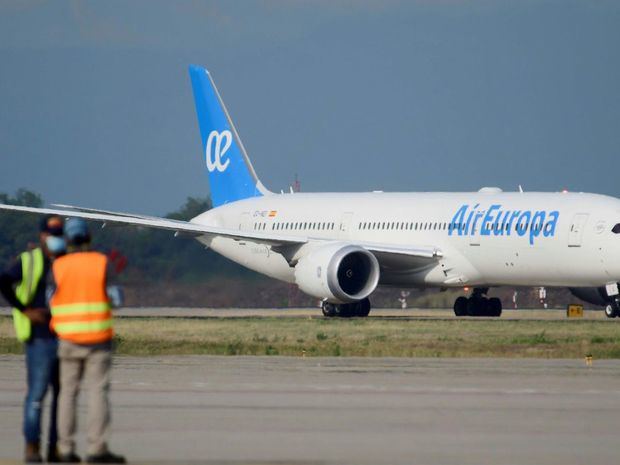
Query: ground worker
{"points": [[82, 319], [24, 286]]}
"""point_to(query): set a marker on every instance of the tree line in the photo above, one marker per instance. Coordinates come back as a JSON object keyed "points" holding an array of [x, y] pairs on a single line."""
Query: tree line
{"points": [[147, 255]]}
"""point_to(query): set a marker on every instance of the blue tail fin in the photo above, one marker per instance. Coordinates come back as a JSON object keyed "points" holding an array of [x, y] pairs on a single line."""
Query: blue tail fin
{"points": [[231, 175]]}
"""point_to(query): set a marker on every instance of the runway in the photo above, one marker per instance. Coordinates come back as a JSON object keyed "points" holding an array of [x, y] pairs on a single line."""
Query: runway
{"points": [[263, 410], [385, 313], [382, 313]]}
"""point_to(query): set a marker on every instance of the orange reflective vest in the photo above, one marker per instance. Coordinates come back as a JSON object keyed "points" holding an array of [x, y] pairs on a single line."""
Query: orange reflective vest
{"points": [[80, 306]]}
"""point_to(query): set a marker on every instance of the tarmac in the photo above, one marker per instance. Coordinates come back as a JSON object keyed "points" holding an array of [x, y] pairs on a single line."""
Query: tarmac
{"points": [[279, 410], [308, 312], [382, 313]]}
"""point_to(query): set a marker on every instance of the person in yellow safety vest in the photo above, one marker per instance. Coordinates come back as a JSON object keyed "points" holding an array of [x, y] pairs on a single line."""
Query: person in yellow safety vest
{"points": [[24, 286], [82, 319]]}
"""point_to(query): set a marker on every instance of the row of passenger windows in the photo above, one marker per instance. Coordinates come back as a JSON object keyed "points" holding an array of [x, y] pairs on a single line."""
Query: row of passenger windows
{"points": [[387, 226], [297, 225], [394, 225], [428, 226]]}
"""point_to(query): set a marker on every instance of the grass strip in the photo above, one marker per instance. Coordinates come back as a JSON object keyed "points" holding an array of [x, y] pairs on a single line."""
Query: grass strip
{"points": [[371, 337]]}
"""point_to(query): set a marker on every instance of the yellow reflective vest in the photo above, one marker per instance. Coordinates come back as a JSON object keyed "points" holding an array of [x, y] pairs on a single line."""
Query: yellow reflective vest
{"points": [[32, 272]]}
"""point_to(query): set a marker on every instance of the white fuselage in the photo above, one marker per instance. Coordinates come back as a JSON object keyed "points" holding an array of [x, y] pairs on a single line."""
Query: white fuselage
{"points": [[485, 238]]}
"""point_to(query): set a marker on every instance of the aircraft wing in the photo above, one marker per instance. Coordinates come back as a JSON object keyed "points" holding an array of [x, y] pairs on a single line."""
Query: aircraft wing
{"points": [[389, 256], [164, 223], [106, 212], [403, 257]]}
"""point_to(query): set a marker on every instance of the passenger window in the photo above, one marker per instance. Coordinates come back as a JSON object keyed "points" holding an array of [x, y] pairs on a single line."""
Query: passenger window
{"points": [[616, 229]]}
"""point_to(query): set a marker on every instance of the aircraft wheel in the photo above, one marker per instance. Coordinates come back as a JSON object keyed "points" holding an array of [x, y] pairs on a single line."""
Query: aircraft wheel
{"points": [[495, 307], [345, 310], [363, 308], [478, 306], [329, 310], [474, 307], [610, 311], [460, 306]]}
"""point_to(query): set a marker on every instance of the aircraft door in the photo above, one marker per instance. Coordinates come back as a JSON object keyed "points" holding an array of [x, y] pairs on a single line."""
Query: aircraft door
{"points": [[576, 229], [345, 225]]}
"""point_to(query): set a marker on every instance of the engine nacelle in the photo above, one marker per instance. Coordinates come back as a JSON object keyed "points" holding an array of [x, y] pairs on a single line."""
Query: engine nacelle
{"points": [[340, 273], [592, 295]]}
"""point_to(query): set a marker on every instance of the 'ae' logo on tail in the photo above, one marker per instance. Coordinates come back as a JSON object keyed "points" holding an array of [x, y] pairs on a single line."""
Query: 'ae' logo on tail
{"points": [[216, 147]]}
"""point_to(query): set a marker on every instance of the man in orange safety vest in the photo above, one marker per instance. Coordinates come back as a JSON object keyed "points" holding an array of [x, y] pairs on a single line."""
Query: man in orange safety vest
{"points": [[82, 319]]}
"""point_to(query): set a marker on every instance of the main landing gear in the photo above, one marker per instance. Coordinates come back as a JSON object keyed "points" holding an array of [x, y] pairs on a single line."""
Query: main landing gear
{"points": [[355, 309], [478, 304]]}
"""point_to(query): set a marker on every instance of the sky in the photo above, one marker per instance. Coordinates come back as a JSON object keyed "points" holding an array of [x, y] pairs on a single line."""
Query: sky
{"points": [[449, 95]]}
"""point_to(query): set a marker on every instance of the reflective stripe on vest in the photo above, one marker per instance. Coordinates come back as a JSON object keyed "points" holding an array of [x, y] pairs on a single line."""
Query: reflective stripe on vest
{"points": [[32, 272], [80, 308]]}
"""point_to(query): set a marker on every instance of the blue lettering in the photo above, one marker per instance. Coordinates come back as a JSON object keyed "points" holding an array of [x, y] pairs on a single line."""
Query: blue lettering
{"points": [[500, 228], [473, 221], [537, 221], [478, 216], [550, 226], [469, 219], [458, 219], [523, 222], [485, 229], [512, 218]]}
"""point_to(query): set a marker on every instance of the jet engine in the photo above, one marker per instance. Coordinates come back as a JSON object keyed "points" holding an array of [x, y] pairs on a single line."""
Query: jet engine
{"points": [[592, 295], [340, 273]]}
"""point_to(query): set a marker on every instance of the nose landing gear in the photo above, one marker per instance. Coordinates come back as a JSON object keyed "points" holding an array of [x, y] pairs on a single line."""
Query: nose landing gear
{"points": [[478, 304], [612, 310]]}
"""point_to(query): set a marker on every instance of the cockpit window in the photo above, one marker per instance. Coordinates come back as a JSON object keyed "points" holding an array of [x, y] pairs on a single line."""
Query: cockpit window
{"points": [[616, 229]]}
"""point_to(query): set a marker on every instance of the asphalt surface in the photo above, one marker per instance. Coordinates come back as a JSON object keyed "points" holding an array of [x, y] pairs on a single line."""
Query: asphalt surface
{"points": [[262, 410], [383, 313]]}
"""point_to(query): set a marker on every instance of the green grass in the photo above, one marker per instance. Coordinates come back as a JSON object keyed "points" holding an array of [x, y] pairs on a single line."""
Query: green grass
{"points": [[370, 337]]}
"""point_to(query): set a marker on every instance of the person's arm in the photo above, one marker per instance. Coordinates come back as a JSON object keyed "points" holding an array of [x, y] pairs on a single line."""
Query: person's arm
{"points": [[114, 292], [8, 279]]}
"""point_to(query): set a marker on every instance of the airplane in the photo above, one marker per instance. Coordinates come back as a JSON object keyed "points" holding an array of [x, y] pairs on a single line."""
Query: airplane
{"points": [[339, 247]]}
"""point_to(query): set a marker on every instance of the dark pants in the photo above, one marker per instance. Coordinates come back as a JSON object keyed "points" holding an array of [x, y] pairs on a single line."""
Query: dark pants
{"points": [[42, 369]]}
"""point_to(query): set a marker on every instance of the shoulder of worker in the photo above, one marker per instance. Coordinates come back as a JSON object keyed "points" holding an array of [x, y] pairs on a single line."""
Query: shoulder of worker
{"points": [[96, 255], [79, 256]]}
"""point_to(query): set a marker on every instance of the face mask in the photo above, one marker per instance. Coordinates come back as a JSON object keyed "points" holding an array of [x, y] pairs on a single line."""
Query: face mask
{"points": [[55, 244]]}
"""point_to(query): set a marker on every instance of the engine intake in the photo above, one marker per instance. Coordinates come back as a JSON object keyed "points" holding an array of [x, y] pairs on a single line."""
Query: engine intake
{"points": [[340, 273]]}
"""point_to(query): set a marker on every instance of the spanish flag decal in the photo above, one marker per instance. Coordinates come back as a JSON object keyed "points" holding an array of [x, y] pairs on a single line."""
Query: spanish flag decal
{"points": [[272, 213]]}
